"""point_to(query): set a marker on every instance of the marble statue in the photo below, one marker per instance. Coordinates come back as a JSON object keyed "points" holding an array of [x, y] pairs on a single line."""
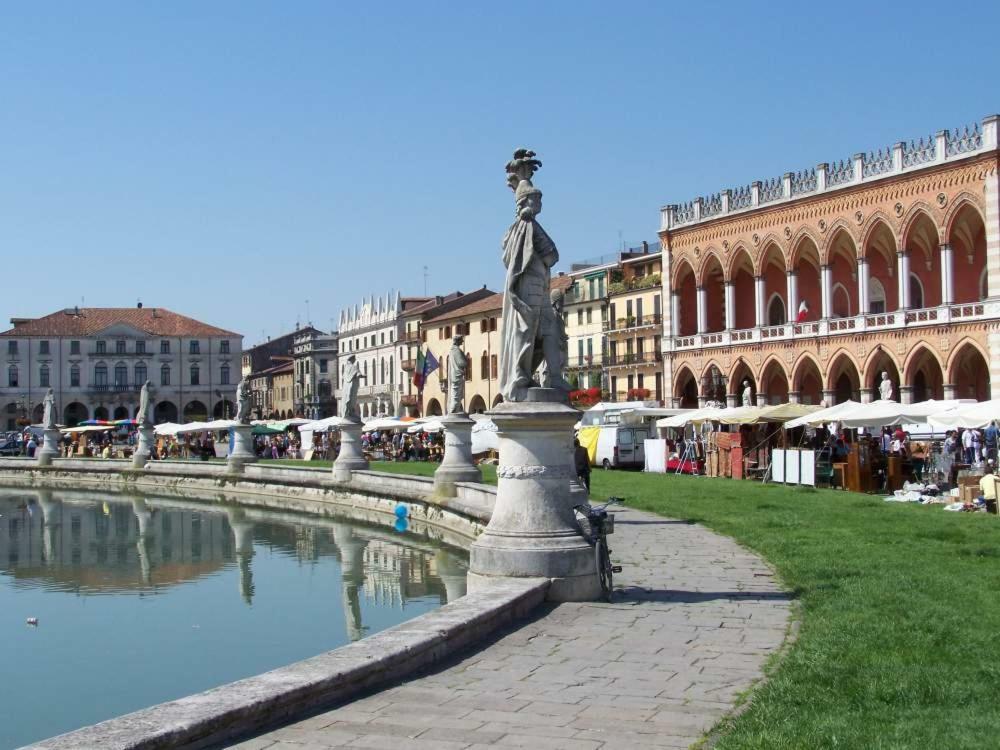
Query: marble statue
{"points": [[529, 255], [458, 366], [350, 382], [243, 402], [885, 387], [49, 418], [557, 330], [142, 416], [747, 393]]}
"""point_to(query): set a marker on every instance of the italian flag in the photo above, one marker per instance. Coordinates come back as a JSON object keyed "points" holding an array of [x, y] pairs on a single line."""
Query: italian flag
{"points": [[426, 364]]}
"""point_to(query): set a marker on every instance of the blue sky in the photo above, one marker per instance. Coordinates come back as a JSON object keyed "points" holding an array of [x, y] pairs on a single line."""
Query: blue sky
{"points": [[230, 160]]}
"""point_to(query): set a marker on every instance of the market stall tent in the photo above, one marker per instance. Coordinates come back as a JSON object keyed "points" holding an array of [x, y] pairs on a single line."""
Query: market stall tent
{"points": [[969, 415]]}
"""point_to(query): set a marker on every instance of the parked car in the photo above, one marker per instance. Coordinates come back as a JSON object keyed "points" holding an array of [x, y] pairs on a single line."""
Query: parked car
{"points": [[10, 444]]}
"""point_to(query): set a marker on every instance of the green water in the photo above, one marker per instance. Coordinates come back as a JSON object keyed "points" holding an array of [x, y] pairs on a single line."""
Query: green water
{"points": [[143, 600]]}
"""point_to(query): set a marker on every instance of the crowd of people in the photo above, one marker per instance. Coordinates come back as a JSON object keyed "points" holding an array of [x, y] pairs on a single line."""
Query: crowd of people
{"points": [[396, 445]]}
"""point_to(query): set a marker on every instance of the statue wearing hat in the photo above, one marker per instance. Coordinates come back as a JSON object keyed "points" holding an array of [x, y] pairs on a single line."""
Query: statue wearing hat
{"points": [[529, 334]]}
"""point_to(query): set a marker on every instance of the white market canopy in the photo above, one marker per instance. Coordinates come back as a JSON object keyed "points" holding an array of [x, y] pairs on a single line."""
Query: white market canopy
{"points": [[425, 425], [823, 416], [169, 428], [385, 423], [890, 413], [775, 414], [324, 425], [484, 434], [968, 415]]}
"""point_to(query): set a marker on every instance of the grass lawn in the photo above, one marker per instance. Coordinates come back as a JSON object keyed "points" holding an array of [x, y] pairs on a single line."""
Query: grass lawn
{"points": [[899, 645]]}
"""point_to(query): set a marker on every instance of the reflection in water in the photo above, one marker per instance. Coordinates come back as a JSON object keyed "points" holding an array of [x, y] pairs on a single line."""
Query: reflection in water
{"points": [[185, 577]]}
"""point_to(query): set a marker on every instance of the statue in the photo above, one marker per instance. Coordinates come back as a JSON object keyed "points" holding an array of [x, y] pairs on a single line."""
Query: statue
{"points": [[49, 418], [458, 366], [142, 417], [747, 393], [557, 330], [243, 402], [529, 255], [885, 387], [349, 390]]}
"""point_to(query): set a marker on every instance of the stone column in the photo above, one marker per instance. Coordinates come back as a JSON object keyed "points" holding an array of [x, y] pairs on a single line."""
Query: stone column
{"points": [[457, 464], [533, 532], [351, 457], [863, 306], [730, 306], [50, 447], [826, 291], [675, 314], [949, 391], [903, 267], [702, 311], [144, 448], [866, 395], [829, 397], [758, 295], [731, 400], [794, 397], [792, 288], [761, 399], [947, 275], [243, 452], [906, 394]]}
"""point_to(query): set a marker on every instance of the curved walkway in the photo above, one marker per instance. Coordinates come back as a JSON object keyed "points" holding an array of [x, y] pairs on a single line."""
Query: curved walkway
{"points": [[693, 622]]}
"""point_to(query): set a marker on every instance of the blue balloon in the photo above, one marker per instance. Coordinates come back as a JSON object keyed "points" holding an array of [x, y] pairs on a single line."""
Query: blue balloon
{"points": [[402, 511], [401, 525]]}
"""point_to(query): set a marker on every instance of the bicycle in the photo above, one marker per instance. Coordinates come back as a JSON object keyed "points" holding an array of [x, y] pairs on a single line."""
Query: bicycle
{"points": [[601, 524]]}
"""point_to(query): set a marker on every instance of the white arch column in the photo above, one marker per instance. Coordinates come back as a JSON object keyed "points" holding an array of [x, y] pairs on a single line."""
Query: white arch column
{"points": [[730, 292], [759, 301], [675, 314], [947, 275], [903, 269], [864, 305], [792, 290], [826, 290], [702, 310]]}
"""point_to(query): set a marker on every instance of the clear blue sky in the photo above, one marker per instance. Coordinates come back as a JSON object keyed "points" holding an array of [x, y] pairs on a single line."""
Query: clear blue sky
{"points": [[230, 160]]}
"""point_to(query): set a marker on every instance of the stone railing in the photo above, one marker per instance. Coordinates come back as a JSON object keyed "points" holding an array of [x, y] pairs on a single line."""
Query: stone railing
{"points": [[945, 146], [931, 316]]}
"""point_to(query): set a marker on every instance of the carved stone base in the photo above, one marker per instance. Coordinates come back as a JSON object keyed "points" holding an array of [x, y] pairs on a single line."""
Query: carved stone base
{"points": [[243, 452], [50, 447], [351, 458], [533, 532], [457, 464], [144, 448]]}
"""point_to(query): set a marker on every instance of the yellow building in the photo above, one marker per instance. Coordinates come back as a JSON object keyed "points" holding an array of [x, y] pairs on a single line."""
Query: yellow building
{"points": [[634, 327]]}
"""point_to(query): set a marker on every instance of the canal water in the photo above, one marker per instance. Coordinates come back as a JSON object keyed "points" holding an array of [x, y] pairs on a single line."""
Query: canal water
{"points": [[109, 604]]}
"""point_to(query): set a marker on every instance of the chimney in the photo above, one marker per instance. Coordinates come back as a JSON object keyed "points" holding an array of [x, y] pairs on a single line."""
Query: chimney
{"points": [[138, 305], [645, 247]]}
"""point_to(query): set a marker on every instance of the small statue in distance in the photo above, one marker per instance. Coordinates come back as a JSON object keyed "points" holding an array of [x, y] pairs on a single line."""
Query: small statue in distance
{"points": [[458, 366], [243, 402]]}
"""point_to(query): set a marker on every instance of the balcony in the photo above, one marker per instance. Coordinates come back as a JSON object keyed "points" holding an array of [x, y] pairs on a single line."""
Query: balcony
{"points": [[584, 363], [857, 324], [112, 353], [409, 401], [411, 337], [634, 359], [632, 323], [584, 294], [408, 365], [115, 387], [635, 284]]}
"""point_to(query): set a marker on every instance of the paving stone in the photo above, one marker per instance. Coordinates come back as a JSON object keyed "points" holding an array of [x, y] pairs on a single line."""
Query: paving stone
{"points": [[692, 627]]}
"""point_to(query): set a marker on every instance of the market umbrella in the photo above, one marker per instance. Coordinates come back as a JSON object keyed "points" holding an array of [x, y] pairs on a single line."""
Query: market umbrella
{"points": [[385, 423], [969, 415], [323, 425], [823, 416]]}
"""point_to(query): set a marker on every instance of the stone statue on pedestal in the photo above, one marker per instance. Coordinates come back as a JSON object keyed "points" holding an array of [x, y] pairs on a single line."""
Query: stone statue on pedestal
{"points": [[243, 402], [528, 333], [142, 416], [458, 366], [49, 418], [747, 393], [350, 382], [557, 330], [885, 388]]}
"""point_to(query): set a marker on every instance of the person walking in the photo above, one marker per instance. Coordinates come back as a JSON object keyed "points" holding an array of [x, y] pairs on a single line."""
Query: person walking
{"points": [[581, 459]]}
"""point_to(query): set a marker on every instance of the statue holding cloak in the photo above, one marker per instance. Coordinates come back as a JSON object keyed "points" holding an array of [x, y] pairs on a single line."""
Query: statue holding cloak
{"points": [[351, 381], [142, 418], [49, 418], [458, 366], [243, 402]]}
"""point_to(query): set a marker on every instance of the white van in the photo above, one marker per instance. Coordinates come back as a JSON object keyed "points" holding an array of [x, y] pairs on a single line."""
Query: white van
{"points": [[621, 446]]}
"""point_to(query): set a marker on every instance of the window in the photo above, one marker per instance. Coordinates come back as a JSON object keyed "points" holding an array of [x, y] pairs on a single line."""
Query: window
{"points": [[493, 324], [74, 347], [119, 347], [493, 366], [165, 375], [447, 332], [392, 372], [194, 347], [484, 325], [43, 376], [916, 291], [579, 351], [12, 348], [12, 376], [322, 366], [121, 374], [101, 375], [164, 346], [140, 348], [638, 309], [776, 311], [43, 347], [74, 376], [382, 339], [140, 373], [590, 315], [579, 317], [590, 349], [484, 366], [224, 346], [195, 375], [102, 347]]}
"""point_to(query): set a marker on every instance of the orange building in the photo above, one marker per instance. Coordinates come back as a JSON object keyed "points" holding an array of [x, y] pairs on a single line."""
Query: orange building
{"points": [[813, 284]]}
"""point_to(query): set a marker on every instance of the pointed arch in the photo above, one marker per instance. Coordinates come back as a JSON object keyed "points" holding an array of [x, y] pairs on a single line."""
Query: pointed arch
{"points": [[709, 390], [681, 266], [685, 388], [968, 370], [741, 275], [710, 254], [800, 244], [959, 203], [871, 226], [923, 373], [881, 360], [738, 253], [840, 232], [807, 379], [774, 383], [767, 242], [967, 237], [740, 372], [713, 282], [843, 377], [912, 216]]}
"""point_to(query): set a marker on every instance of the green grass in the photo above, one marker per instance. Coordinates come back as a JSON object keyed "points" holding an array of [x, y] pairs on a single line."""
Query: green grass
{"points": [[420, 468], [899, 645]]}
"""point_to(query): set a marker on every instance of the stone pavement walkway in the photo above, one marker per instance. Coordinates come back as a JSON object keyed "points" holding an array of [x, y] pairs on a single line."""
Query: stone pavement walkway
{"points": [[692, 624]]}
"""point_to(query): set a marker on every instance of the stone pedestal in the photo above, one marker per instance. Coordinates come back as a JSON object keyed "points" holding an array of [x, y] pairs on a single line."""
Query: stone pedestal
{"points": [[533, 532], [143, 448], [50, 447], [457, 464], [351, 458], [243, 452]]}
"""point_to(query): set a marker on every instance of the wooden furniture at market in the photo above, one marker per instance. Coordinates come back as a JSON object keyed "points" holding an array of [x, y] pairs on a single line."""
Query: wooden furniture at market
{"points": [[859, 469]]}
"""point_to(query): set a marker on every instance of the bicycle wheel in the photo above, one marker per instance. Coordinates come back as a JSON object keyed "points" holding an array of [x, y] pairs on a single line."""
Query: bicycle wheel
{"points": [[604, 567]]}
